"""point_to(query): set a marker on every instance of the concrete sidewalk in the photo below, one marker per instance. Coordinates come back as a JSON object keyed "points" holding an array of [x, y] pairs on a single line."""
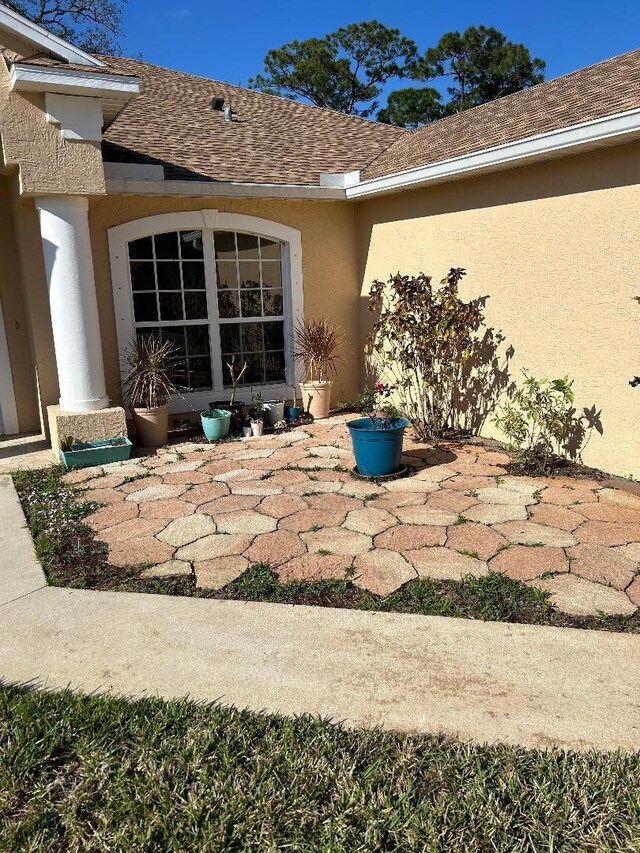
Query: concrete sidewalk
{"points": [[519, 684]]}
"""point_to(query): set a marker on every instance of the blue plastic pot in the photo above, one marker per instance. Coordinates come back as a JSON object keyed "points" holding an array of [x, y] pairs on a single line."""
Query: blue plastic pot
{"points": [[215, 423], [377, 451], [292, 413]]}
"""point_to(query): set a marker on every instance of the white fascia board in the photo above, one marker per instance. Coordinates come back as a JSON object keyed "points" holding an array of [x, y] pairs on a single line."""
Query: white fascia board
{"points": [[134, 171], [203, 189], [31, 33], [63, 81], [585, 135], [341, 180]]}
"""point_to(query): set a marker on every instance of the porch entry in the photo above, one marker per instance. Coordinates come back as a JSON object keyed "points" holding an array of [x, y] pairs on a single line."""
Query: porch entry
{"points": [[8, 411]]}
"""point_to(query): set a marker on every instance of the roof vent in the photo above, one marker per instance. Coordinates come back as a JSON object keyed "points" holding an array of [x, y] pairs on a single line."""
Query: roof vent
{"points": [[228, 112], [217, 104]]}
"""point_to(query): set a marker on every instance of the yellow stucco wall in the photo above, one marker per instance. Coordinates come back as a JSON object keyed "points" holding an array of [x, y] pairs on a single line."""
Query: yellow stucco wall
{"points": [[330, 265], [48, 164], [556, 247]]}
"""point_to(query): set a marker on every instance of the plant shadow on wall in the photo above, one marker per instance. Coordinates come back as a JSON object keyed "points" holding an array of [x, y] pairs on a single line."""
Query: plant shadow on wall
{"points": [[449, 369]]}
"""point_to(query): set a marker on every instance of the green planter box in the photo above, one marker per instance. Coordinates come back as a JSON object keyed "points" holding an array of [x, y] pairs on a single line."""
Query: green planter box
{"points": [[85, 454]]}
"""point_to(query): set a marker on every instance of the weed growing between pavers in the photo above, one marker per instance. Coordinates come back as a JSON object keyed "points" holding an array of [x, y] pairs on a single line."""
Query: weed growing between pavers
{"points": [[102, 773], [71, 556]]}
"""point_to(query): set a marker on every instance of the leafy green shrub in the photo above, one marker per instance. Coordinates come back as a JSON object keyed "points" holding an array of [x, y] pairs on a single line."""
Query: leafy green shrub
{"points": [[540, 420], [425, 339]]}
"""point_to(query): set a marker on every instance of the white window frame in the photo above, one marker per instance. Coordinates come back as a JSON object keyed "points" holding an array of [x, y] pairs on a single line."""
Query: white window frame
{"points": [[209, 220]]}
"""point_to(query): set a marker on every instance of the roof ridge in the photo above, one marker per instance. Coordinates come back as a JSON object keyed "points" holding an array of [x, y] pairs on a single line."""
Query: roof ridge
{"points": [[370, 122]]}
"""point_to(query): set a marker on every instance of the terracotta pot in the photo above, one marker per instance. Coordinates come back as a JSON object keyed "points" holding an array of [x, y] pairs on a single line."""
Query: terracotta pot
{"points": [[152, 426], [316, 398]]}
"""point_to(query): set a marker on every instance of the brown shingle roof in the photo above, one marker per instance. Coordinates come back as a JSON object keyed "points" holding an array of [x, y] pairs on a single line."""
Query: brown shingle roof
{"points": [[270, 140], [610, 87]]}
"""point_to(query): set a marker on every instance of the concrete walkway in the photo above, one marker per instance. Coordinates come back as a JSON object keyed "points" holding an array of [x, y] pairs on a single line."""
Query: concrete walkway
{"points": [[489, 682]]}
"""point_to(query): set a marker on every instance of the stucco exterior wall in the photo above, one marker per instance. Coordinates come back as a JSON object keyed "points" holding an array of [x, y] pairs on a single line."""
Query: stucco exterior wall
{"points": [[329, 255], [556, 247], [16, 319], [47, 163]]}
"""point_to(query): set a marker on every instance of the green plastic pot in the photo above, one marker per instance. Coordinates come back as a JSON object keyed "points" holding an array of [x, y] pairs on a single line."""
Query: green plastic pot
{"points": [[215, 423]]}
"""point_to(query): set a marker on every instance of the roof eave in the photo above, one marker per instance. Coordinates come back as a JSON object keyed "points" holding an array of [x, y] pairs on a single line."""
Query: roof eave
{"points": [[215, 189], [610, 130], [32, 34]]}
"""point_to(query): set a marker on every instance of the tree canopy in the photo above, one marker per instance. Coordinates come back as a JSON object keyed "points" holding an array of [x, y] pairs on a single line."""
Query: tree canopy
{"points": [[92, 25], [346, 69], [342, 70]]}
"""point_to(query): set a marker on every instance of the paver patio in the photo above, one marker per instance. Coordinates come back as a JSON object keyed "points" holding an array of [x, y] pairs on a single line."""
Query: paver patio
{"points": [[291, 500]]}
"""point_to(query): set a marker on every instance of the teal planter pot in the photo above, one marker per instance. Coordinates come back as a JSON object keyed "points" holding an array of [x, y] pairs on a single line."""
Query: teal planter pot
{"points": [[215, 423], [86, 454], [378, 451], [292, 413]]}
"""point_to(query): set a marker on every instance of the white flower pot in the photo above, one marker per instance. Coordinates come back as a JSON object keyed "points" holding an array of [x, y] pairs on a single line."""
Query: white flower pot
{"points": [[256, 427], [316, 398]]}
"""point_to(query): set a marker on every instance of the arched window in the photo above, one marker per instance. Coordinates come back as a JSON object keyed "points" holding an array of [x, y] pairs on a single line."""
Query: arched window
{"points": [[222, 295]]}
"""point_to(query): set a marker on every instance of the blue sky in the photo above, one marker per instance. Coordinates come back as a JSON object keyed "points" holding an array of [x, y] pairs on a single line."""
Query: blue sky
{"points": [[228, 40]]}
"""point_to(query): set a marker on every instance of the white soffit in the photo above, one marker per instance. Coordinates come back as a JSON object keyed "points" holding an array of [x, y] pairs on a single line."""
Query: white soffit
{"points": [[42, 40]]}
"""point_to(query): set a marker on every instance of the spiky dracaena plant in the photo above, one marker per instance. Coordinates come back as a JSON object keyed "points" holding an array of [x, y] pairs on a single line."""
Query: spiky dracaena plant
{"points": [[422, 340], [149, 382], [316, 343]]}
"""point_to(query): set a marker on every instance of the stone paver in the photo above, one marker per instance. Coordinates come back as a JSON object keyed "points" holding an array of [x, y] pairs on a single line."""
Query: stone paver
{"points": [[370, 520], [240, 502], [445, 564], [187, 529], [247, 521], [530, 533], [217, 573], [602, 565], [475, 539], [382, 572], [216, 545], [337, 540], [525, 562], [579, 597], [168, 569]]}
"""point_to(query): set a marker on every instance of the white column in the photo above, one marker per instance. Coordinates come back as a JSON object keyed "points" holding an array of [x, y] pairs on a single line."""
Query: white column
{"points": [[64, 228]]}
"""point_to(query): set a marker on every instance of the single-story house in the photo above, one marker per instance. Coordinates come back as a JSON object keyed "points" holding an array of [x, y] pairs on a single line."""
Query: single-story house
{"points": [[136, 197]]}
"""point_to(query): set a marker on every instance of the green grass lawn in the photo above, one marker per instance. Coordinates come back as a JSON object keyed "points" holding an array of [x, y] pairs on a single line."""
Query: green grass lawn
{"points": [[104, 774]]}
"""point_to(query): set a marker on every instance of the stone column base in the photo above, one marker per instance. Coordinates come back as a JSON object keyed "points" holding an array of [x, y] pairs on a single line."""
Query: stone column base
{"points": [[85, 426]]}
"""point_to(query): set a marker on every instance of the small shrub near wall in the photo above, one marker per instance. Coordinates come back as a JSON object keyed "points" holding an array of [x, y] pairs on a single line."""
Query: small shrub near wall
{"points": [[437, 351]]}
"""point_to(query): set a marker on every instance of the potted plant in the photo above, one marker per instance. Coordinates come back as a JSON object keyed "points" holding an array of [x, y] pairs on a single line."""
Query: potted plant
{"points": [[148, 386], [215, 423], [292, 412], [86, 454], [316, 343], [256, 415], [377, 438], [273, 412]]}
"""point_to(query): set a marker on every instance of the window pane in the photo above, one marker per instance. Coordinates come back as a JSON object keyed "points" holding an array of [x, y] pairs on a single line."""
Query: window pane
{"points": [[227, 275], [228, 304], [176, 336], [249, 274], [198, 340], [191, 244], [251, 303], [255, 367], [269, 249], [274, 335], [195, 304], [193, 275], [230, 337], [171, 306], [274, 366], [168, 275], [225, 244], [251, 337], [180, 373], [271, 274], [200, 373], [272, 303], [166, 245], [145, 309], [142, 277], [141, 248], [247, 247]]}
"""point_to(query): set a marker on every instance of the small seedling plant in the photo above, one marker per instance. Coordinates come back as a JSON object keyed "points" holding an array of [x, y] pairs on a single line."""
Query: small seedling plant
{"points": [[375, 401]]}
